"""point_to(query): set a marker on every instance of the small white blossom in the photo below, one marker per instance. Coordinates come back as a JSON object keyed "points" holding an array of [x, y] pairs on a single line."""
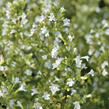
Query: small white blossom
{"points": [[28, 72], [73, 91], [54, 88], [8, 14], [66, 22], [15, 80], [1, 59], [70, 82], [13, 31], [5, 26], [46, 96], [4, 90], [1, 68], [92, 31], [76, 105], [44, 31], [34, 91], [44, 57], [71, 37], [37, 106], [48, 64], [56, 79], [1, 93], [104, 73], [11, 103], [83, 66], [107, 31], [78, 62], [62, 9], [54, 52], [19, 104], [22, 87], [39, 18], [97, 53], [56, 64], [66, 30], [104, 22], [39, 72], [52, 17], [14, 20], [104, 64], [90, 52], [91, 72], [85, 57], [24, 20]]}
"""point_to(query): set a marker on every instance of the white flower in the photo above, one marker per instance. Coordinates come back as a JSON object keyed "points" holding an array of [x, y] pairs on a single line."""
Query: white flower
{"points": [[48, 64], [44, 57], [1, 68], [19, 104], [66, 30], [8, 13], [76, 105], [1, 59], [104, 73], [15, 80], [46, 96], [5, 26], [47, 34], [56, 64], [37, 106], [54, 88], [4, 90], [104, 22], [54, 52], [73, 91], [70, 82], [39, 18], [104, 64], [24, 20], [11, 103], [90, 52], [97, 53], [62, 9], [14, 20], [66, 22], [84, 66], [34, 91], [70, 37], [1, 93], [13, 31], [92, 31], [56, 79], [91, 72], [44, 31], [85, 57], [78, 62], [52, 17], [107, 32], [31, 31], [28, 72], [39, 72], [22, 87]]}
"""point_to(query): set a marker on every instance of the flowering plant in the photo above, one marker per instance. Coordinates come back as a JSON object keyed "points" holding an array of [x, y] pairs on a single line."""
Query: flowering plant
{"points": [[48, 60]]}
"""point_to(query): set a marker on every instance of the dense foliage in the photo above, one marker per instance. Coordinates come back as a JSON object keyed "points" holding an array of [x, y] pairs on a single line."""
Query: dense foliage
{"points": [[54, 54]]}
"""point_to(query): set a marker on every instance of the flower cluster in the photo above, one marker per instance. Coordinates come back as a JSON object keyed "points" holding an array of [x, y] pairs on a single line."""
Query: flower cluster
{"points": [[48, 59]]}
